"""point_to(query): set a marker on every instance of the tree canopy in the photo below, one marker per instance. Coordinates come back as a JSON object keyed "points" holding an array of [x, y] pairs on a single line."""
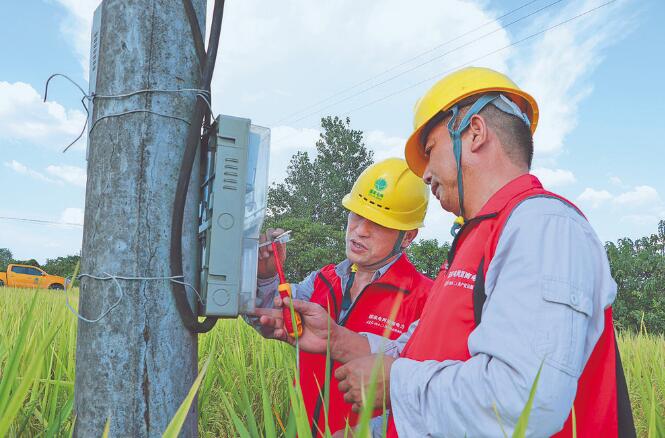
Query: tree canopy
{"points": [[314, 188]]}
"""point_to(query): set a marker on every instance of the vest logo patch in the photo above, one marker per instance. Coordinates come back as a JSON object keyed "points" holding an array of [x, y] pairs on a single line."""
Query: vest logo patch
{"points": [[383, 322], [461, 278]]}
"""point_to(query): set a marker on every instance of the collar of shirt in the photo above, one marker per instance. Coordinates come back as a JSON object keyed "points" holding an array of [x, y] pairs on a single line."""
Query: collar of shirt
{"points": [[343, 270]]}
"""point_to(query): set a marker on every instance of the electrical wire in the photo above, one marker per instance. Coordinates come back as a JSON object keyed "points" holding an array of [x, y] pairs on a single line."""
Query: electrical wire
{"points": [[121, 293], [439, 74], [395, 67], [202, 93], [40, 221]]}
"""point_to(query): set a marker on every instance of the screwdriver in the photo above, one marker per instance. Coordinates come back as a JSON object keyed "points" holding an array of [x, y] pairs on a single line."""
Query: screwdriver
{"points": [[284, 290]]}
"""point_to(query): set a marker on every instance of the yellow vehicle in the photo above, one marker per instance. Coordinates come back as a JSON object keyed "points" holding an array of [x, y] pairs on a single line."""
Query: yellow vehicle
{"points": [[30, 276]]}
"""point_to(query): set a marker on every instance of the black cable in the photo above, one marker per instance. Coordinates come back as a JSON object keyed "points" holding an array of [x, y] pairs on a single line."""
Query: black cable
{"points": [[190, 318], [197, 35]]}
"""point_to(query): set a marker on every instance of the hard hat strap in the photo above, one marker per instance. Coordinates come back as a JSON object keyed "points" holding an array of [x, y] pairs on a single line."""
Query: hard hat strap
{"points": [[397, 248], [456, 136]]}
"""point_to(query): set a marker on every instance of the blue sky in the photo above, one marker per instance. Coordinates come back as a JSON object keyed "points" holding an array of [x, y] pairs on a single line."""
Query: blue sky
{"points": [[598, 81]]}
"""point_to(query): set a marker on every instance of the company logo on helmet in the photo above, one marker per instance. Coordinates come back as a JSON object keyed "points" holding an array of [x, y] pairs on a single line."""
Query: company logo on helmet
{"points": [[379, 186]]}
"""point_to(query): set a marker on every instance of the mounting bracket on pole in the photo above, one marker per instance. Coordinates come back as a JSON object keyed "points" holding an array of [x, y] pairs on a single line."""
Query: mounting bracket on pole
{"points": [[232, 211]]}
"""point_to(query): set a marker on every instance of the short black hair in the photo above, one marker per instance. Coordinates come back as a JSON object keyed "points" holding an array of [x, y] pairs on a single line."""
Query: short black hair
{"points": [[514, 134]]}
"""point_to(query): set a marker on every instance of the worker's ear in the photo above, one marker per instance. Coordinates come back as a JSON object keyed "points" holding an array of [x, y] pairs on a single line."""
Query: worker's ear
{"points": [[408, 238], [477, 131]]}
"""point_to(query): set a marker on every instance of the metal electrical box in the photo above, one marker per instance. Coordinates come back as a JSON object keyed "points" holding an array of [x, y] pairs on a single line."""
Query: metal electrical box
{"points": [[232, 212]]}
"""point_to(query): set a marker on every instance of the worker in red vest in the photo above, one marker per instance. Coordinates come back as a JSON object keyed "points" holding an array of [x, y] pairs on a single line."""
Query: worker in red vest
{"points": [[526, 287], [376, 289]]}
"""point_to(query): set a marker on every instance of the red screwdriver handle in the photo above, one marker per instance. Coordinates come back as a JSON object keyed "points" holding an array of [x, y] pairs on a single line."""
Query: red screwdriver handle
{"points": [[284, 289]]}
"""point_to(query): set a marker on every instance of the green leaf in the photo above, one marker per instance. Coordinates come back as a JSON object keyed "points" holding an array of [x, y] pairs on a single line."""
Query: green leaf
{"points": [[56, 424], [173, 429], [523, 421], [11, 368], [14, 402], [107, 428]]}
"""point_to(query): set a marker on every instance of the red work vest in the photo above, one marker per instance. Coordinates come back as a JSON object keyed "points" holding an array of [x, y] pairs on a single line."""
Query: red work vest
{"points": [[456, 304], [401, 285]]}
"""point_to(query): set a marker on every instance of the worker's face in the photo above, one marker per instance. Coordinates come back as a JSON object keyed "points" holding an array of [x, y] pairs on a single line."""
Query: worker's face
{"points": [[441, 171], [368, 242]]}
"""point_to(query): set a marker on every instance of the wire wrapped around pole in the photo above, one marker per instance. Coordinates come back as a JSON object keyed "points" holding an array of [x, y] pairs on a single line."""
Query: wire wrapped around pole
{"points": [[190, 317]]}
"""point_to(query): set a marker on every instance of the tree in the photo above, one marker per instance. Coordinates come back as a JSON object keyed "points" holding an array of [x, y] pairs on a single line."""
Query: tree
{"points": [[62, 266], [29, 262], [428, 256], [6, 258], [314, 245], [309, 201], [638, 267], [314, 188]]}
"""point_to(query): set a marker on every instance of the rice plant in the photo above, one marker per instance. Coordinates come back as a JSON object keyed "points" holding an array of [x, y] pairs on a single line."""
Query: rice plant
{"points": [[246, 390]]}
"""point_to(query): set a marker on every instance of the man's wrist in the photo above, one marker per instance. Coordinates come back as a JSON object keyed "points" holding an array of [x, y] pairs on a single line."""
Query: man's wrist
{"points": [[264, 281], [346, 345]]}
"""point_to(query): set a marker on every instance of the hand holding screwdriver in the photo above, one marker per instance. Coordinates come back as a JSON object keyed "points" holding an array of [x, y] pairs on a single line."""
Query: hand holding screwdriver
{"points": [[269, 264]]}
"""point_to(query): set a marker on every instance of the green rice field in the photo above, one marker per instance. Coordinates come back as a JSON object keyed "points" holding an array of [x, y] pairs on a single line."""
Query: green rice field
{"points": [[246, 388]]}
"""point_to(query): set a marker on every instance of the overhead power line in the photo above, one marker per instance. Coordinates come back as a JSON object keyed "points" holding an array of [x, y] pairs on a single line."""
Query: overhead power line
{"points": [[40, 221], [407, 61], [439, 74]]}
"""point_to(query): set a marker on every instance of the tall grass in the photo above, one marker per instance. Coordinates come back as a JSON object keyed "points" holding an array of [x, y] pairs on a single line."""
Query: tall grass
{"points": [[247, 389]]}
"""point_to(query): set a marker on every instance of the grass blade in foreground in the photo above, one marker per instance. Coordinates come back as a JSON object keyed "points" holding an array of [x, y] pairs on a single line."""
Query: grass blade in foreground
{"points": [[520, 427], [173, 429]]}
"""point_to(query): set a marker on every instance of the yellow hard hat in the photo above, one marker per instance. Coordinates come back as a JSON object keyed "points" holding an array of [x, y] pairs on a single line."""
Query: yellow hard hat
{"points": [[453, 89], [389, 194]]}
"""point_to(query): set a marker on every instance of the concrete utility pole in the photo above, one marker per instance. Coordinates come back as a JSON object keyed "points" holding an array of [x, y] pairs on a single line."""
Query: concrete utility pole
{"points": [[136, 365]]}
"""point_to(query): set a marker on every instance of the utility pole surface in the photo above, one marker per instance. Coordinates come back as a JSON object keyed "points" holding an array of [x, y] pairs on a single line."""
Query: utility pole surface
{"points": [[136, 365]]}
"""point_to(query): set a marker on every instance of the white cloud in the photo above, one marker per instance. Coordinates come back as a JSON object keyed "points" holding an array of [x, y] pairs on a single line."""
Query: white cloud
{"points": [[77, 27], [384, 145], [314, 50], [24, 117], [74, 175], [615, 180], [556, 69], [639, 196], [25, 170], [640, 206], [71, 174], [40, 241], [554, 177], [286, 141], [594, 197], [72, 215], [298, 53]]}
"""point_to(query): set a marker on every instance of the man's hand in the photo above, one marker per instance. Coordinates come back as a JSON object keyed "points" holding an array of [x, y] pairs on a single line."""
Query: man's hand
{"points": [[354, 380], [266, 267], [315, 321], [345, 344]]}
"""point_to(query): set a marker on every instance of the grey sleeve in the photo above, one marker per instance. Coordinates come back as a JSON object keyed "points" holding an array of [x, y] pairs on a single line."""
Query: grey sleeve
{"points": [[379, 344], [547, 288], [378, 424], [266, 291]]}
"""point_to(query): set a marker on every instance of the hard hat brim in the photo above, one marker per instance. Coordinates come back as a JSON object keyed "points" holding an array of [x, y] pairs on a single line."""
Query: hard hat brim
{"points": [[376, 215], [414, 152]]}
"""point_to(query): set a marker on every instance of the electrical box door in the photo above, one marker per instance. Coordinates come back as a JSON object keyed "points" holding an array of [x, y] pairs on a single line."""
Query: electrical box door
{"points": [[232, 213]]}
